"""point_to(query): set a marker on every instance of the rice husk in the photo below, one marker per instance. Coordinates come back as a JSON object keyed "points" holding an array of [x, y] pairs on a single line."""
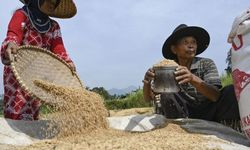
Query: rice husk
{"points": [[166, 63]]}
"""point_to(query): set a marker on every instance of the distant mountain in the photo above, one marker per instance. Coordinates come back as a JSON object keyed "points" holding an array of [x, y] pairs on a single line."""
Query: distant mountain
{"points": [[122, 91]]}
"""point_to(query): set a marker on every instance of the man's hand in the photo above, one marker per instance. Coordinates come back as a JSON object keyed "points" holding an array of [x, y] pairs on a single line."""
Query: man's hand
{"points": [[149, 76], [183, 75], [147, 91], [8, 55]]}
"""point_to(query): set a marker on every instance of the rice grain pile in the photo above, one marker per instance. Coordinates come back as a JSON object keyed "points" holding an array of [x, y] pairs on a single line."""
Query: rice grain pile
{"points": [[165, 62], [78, 111], [172, 137], [81, 117]]}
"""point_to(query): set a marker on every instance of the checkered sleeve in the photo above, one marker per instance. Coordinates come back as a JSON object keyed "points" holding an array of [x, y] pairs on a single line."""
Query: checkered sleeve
{"points": [[211, 75]]}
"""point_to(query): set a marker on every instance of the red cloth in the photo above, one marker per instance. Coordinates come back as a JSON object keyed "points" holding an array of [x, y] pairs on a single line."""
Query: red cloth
{"points": [[17, 103]]}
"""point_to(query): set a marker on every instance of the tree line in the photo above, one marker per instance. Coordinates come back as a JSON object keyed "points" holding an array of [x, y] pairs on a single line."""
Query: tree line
{"points": [[105, 94]]}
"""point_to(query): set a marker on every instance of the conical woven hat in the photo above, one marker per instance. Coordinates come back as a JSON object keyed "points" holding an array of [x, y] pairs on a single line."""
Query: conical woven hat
{"points": [[65, 9], [33, 63]]}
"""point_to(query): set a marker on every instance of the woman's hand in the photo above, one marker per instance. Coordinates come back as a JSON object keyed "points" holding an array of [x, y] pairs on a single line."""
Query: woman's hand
{"points": [[183, 75], [8, 55]]}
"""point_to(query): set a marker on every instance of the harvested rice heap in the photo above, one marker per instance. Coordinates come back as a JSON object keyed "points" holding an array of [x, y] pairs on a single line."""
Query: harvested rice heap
{"points": [[81, 111], [77, 111], [165, 62], [172, 137]]}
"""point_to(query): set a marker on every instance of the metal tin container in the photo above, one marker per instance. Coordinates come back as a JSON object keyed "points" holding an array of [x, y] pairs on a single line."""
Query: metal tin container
{"points": [[164, 81]]}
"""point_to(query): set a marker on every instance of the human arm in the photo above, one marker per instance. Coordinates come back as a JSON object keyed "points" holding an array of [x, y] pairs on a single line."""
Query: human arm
{"points": [[208, 86], [8, 54], [14, 36], [147, 91]]}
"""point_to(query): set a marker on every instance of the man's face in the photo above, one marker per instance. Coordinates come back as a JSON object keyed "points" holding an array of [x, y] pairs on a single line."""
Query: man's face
{"points": [[185, 48]]}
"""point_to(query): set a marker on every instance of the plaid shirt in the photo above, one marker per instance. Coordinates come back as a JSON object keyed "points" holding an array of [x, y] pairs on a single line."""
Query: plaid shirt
{"points": [[205, 69]]}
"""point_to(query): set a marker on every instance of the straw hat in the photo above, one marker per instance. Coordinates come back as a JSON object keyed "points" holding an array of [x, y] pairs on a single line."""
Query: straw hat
{"points": [[65, 9], [200, 34]]}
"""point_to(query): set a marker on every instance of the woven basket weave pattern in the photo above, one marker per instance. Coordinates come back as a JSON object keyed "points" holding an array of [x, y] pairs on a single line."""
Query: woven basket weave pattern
{"points": [[33, 63]]}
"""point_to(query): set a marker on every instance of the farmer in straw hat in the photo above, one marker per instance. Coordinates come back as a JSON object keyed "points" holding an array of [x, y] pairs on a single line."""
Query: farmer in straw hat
{"points": [[32, 25], [201, 96]]}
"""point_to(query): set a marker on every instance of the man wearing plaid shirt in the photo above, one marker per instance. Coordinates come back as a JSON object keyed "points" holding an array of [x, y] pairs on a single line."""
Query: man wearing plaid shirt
{"points": [[201, 96]]}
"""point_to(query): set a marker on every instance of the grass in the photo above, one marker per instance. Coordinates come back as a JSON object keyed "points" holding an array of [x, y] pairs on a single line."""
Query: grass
{"points": [[45, 109], [226, 79], [133, 100]]}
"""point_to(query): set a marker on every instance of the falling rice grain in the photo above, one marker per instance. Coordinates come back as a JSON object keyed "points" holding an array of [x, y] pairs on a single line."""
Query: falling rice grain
{"points": [[78, 111]]}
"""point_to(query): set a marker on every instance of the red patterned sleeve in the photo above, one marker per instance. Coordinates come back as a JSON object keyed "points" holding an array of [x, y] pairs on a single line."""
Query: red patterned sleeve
{"points": [[57, 43], [15, 30]]}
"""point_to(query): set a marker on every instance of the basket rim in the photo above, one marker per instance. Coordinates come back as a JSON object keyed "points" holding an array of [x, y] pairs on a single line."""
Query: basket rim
{"points": [[43, 50]]}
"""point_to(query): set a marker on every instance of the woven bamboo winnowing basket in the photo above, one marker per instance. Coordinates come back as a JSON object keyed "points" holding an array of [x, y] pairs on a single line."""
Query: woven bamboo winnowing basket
{"points": [[32, 63]]}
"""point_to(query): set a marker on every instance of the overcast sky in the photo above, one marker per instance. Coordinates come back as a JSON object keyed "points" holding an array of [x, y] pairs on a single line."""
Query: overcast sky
{"points": [[113, 42]]}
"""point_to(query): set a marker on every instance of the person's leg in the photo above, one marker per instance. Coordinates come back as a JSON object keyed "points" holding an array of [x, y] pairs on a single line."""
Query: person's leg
{"points": [[206, 111], [227, 105], [227, 110]]}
